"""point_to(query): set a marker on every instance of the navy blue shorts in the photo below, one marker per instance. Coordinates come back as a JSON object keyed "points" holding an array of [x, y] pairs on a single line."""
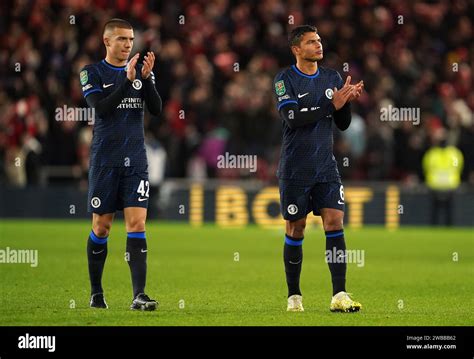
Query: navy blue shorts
{"points": [[298, 200], [115, 188]]}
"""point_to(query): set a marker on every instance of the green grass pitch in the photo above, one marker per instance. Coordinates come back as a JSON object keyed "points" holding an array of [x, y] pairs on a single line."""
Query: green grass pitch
{"points": [[410, 277]]}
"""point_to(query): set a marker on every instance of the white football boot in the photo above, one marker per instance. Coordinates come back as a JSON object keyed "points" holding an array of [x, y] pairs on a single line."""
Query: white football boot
{"points": [[342, 302], [295, 303]]}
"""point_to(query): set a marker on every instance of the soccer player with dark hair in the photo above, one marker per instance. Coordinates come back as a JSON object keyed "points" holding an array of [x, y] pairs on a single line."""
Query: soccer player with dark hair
{"points": [[309, 99], [118, 90]]}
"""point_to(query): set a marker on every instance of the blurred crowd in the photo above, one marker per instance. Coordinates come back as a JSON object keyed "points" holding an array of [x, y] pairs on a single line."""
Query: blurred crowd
{"points": [[215, 65]]}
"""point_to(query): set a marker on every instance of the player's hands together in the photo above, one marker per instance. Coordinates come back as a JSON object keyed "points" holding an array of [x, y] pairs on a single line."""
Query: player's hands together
{"points": [[131, 71], [148, 64], [347, 93], [356, 91]]}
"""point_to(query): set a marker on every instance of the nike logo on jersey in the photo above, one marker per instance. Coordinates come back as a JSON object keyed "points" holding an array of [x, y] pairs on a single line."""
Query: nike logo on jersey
{"points": [[303, 95], [99, 252], [144, 250], [140, 199], [105, 86]]}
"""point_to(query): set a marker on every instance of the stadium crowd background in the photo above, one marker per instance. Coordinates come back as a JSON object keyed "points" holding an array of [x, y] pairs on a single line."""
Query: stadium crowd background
{"points": [[424, 62]]}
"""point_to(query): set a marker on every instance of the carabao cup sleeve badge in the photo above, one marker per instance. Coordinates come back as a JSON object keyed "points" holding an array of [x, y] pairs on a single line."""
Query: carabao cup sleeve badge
{"points": [[280, 88]]}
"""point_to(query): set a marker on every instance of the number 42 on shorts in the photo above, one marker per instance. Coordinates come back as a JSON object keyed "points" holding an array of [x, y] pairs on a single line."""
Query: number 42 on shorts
{"points": [[143, 190]]}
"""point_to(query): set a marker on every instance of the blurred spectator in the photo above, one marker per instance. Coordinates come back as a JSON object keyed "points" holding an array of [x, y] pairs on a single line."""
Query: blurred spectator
{"points": [[156, 171], [442, 165]]}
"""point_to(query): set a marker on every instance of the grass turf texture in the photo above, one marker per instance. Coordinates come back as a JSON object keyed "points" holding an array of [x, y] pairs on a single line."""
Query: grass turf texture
{"points": [[409, 277]]}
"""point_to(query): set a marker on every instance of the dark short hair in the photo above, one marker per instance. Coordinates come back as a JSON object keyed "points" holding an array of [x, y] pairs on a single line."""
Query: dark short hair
{"points": [[113, 23], [298, 32]]}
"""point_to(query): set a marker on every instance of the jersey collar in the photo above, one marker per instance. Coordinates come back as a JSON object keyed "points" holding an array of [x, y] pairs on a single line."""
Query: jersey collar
{"points": [[303, 74], [110, 66]]}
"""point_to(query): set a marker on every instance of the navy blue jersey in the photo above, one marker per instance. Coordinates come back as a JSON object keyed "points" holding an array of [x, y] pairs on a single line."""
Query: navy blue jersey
{"points": [[307, 152], [118, 136]]}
